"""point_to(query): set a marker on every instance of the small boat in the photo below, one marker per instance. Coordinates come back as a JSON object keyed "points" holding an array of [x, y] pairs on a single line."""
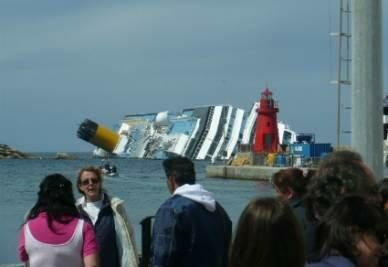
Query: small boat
{"points": [[109, 170]]}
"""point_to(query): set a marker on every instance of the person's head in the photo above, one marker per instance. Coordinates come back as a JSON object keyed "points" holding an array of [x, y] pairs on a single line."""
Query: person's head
{"points": [[383, 190], [356, 176], [340, 155], [352, 228], [321, 194], [179, 171], [290, 183], [56, 199], [268, 234], [89, 183]]}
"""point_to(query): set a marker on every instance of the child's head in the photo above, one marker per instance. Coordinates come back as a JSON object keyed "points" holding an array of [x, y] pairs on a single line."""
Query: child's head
{"points": [[268, 234]]}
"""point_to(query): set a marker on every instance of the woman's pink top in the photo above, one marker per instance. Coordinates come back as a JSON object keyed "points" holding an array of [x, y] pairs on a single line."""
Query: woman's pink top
{"points": [[40, 230]]}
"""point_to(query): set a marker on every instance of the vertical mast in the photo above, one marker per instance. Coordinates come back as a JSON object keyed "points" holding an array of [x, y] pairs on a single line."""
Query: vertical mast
{"points": [[341, 34], [367, 81], [339, 66]]}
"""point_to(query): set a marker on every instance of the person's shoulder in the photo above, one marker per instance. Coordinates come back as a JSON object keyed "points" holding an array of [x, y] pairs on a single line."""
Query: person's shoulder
{"points": [[220, 208], [115, 201], [41, 218], [87, 225], [332, 261], [80, 201], [296, 202], [177, 203]]}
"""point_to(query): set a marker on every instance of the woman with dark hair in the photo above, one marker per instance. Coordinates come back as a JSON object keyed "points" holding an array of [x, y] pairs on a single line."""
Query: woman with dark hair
{"points": [[53, 234], [355, 174], [268, 234], [350, 234], [321, 195], [291, 186], [109, 218], [291, 183]]}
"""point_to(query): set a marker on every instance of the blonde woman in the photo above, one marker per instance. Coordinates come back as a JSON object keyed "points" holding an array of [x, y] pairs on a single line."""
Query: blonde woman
{"points": [[109, 218]]}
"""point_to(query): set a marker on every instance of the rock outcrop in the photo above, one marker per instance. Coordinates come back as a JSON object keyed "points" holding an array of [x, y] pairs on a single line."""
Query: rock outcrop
{"points": [[7, 152], [62, 155]]}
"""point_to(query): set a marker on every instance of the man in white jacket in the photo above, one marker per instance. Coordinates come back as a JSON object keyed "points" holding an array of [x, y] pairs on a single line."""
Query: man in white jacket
{"points": [[190, 228]]}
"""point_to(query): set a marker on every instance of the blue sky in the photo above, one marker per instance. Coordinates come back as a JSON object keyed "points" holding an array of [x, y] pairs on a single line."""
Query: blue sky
{"points": [[64, 61]]}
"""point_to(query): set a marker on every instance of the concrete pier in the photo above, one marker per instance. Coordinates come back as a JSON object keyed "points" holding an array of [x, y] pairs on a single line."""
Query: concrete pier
{"points": [[247, 172]]}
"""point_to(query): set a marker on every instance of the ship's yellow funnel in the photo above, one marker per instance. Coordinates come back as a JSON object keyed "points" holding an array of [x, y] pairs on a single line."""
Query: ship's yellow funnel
{"points": [[98, 135], [105, 138]]}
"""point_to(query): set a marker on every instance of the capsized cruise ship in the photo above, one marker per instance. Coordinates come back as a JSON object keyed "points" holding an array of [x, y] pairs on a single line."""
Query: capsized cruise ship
{"points": [[201, 133]]}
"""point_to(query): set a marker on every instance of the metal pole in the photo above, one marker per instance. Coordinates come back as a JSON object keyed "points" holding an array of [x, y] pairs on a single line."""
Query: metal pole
{"points": [[348, 50], [146, 225], [367, 86], [339, 68]]}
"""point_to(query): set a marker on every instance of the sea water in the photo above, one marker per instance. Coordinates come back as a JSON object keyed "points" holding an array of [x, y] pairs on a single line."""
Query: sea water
{"points": [[141, 184]]}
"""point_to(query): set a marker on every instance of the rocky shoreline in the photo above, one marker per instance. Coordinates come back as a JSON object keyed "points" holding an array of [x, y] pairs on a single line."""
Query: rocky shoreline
{"points": [[6, 152]]}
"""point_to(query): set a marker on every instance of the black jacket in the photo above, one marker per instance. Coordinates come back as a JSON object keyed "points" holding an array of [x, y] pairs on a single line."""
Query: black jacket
{"points": [[105, 234]]}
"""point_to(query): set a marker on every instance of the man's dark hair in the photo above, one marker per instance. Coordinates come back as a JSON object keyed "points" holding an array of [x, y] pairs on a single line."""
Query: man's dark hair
{"points": [[181, 169]]}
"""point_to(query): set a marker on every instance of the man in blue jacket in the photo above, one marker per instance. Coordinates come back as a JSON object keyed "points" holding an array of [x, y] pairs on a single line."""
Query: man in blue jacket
{"points": [[191, 229]]}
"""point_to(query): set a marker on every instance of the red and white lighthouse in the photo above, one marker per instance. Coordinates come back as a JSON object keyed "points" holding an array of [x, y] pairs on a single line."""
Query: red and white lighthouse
{"points": [[266, 133]]}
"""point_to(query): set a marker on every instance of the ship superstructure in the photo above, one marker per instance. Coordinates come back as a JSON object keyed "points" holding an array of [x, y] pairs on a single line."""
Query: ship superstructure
{"points": [[202, 133]]}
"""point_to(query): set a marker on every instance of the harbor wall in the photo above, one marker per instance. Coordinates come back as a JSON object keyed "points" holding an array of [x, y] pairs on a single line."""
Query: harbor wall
{"points": [[246, 172]]}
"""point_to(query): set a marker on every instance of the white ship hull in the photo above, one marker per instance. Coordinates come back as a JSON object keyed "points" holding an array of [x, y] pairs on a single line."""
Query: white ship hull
{"points": [[201, 133]]}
